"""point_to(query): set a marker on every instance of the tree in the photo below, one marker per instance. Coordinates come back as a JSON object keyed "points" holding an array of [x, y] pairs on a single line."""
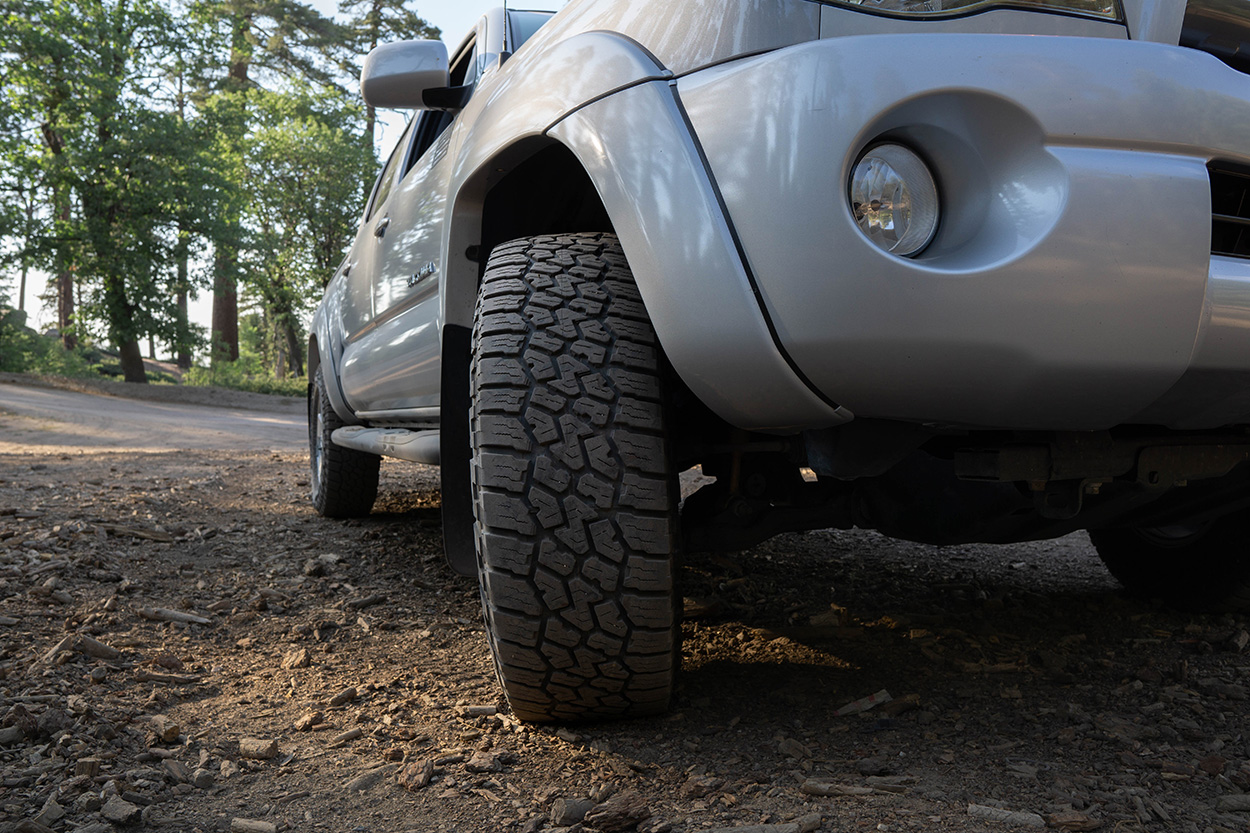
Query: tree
{"points": [[39, 103], [121, 174], [18, 175], [206, 187], [305, 167], [20, 199], [138, 143], [369, 21], [281, 38]]}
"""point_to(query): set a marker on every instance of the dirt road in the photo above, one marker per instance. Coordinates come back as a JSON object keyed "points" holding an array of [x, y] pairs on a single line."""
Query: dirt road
{"points": [[185, 646], [54, 419]]}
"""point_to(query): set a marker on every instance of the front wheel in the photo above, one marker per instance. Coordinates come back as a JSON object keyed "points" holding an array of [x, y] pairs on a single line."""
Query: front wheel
{"points": [[574, 491], [344, 481], [1202, 567]]}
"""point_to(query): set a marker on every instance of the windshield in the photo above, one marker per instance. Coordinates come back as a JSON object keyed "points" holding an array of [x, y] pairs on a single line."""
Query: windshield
{"points": [[523, 25]]}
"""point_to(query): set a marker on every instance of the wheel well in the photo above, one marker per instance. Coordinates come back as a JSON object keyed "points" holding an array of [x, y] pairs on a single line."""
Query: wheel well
{"points": [[548, 193]]}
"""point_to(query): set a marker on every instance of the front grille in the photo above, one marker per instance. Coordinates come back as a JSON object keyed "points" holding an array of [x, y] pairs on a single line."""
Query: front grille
{"points": [[1220, 28], [1230, 210]]}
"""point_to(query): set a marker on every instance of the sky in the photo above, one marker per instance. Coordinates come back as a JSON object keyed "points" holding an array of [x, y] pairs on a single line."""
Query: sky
{"points": [[454, 17]]}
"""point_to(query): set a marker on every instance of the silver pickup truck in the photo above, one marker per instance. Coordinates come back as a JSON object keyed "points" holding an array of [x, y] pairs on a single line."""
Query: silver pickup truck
{"points": [[955, 270]]}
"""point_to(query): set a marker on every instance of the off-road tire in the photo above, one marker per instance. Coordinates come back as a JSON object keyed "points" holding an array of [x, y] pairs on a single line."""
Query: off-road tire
{"points": [[574, 492], [344, 481], [1206, 568]]}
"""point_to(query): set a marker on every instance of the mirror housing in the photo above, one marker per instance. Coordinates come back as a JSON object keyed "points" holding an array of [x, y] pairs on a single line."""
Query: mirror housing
{"points": [[397, 75]]}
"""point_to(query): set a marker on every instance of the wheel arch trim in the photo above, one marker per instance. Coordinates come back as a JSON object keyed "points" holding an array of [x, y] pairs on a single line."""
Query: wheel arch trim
{"points": [[663, 204], [640, 153], [325, 351]]}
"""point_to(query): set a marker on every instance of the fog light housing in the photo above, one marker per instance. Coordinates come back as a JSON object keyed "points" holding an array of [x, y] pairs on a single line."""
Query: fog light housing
{"points": [[895, 199]]}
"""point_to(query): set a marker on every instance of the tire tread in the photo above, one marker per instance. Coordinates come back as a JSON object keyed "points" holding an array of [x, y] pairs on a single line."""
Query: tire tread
{"points": [[348, 486], [575, 498]]}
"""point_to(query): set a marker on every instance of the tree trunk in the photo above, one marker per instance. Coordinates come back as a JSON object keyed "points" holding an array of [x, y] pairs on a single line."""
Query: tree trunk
{"points": [[60, 209], [296, 350], [30, 221], [225, 328], [132, 362], [374, 18], [182, 350], [65, 308], [182, 337], [64, 284], [224, 331], [151, 347]]}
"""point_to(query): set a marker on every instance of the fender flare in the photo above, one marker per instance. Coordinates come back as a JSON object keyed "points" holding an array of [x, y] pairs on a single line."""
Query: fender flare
{"points": [[325, 351], [641, 152]]}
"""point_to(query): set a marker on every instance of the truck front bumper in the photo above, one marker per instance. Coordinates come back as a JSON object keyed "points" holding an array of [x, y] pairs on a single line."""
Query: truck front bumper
{"points": [[1071, 285]]}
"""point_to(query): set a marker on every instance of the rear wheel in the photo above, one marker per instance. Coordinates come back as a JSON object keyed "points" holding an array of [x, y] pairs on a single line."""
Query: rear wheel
{"points": [[574, 492], [1194, 567], [344, 481]]}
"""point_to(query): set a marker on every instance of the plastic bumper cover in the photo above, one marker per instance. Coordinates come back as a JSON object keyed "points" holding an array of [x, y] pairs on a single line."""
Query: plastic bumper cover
{"points": [[1071, 284]]}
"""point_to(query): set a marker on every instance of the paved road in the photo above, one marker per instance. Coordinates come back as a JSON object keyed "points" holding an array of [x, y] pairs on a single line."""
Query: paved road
{"points": [[44, 420]]}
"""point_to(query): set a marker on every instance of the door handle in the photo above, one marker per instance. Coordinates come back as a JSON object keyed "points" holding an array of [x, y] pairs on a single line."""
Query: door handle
{"points": [[380, 229]]}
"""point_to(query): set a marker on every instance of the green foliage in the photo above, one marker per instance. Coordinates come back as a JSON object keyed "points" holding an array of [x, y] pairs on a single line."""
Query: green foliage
{"points": [[259, 40], [371, 21], [305, 175], [246, 374], [150, 147], [22, 350], [251, 371], [128, 178]]}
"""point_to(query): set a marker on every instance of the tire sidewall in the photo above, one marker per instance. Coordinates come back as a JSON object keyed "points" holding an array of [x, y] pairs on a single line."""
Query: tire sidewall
{"points": [[504, 588]]}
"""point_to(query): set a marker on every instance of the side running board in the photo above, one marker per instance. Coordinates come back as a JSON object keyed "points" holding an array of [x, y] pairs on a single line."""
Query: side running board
{"points": [[414, 446]]}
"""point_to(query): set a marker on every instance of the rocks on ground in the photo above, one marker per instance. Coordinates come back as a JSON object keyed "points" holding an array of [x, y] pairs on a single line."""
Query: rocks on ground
{"points": [[170, 660]]}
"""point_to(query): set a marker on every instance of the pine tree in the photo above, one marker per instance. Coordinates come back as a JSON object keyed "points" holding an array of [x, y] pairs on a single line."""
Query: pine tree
{"points": [[372, 22], [267, 39]]}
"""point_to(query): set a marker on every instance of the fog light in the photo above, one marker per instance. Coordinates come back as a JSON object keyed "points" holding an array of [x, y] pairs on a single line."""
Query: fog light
{"points": [[895, 200]]}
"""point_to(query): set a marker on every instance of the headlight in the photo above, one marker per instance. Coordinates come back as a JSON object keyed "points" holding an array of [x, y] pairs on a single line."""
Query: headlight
{"points": [[1106, 9], [894, 199]]}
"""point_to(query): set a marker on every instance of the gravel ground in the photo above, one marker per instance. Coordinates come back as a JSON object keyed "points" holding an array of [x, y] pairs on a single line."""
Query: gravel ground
{"points": [[186, 646]]}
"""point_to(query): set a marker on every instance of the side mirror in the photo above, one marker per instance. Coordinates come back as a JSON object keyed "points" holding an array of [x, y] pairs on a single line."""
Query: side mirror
{"points": [[397, 75]]}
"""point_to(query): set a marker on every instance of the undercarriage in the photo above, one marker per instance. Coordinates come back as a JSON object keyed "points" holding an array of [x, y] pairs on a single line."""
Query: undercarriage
{"points": [[939, 487]]}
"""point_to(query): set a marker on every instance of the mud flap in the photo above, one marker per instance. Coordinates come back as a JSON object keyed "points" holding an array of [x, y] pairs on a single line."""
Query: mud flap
{"points": [[458, 541]]}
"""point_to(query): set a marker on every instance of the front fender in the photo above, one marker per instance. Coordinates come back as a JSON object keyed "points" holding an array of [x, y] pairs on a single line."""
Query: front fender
{"points": [[505, 123], [639, 150]]}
